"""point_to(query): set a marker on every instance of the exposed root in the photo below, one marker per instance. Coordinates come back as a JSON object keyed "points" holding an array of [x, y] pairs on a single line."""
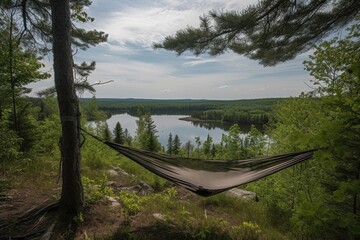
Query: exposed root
{"points": [[36, 223]]}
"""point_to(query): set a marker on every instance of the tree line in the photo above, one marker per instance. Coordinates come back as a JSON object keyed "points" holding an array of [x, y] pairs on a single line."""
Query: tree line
{"points": [[319, 199]]}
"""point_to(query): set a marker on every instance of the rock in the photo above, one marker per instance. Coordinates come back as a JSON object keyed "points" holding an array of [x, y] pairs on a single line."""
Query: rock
{"points": [[123, 173], [239, 193], [146, 187], [114, 202], [141, 189], [112, 173], [159, 216], [111, 184]]}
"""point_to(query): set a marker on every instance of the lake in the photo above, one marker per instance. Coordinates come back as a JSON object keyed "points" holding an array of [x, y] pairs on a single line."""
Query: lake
{"points": [[166, 124]]}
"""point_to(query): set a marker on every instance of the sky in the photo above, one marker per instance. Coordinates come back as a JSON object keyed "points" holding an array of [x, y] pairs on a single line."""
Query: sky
{"points": [[139, 71]]}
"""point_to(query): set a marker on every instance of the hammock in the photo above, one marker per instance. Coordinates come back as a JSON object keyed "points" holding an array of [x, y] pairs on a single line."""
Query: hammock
{"points": [[209, 177]]}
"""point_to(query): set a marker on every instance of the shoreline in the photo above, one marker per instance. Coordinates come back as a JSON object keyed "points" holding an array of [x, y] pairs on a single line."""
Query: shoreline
{"points": [[192, 119]]}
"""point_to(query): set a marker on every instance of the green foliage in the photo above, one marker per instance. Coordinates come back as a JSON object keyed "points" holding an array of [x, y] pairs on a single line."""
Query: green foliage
{"points": [[176, 145], [131, 203], [96, 155], [96, 189], [321, 196], [119, 134], [170, 145], [9, 145], [146, 133], [207, 145], [246, 111], [106, 133], [270, 31], [92, 112]]}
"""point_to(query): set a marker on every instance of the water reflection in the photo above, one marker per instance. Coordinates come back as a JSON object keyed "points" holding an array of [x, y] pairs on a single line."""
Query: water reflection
{"points": [[166, 124]]}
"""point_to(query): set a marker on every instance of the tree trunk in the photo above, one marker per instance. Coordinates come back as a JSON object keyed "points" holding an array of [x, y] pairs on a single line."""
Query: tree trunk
{"points": [[11, 71], [72, 191]]}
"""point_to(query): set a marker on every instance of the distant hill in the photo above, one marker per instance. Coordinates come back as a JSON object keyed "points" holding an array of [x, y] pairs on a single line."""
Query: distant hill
{"points": [[182, 106]]}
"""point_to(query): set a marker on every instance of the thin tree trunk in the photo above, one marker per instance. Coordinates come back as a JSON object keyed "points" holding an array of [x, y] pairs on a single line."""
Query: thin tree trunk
{"points": [[11, 71], [72, 191]]}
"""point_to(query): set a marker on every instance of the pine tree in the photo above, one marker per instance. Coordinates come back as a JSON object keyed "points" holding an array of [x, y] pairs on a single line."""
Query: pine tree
{"points": [[146, 133], [272, 31], [53, 22], [107, 133], [119, 134], [170, 145], [176, 145], [127, 137], [188, 148], [207, 145]]}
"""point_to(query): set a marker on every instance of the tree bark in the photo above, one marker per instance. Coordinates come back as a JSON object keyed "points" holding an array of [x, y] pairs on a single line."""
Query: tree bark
{"points": [[72, 191]]}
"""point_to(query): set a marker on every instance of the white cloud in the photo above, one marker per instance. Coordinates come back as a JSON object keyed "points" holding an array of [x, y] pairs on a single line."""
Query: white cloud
{"points": [[148, 22], [133, 26], [199, 61], [261, 89]]}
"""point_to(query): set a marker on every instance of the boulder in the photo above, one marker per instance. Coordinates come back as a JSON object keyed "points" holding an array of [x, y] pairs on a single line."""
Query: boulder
{"points": [[114, 202], [142, 188], [159, 216], [112, 173], [111, 184], [240, 193]]}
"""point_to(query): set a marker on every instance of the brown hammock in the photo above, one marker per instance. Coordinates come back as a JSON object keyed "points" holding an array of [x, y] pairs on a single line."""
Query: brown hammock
{"points": [[209, 177]]}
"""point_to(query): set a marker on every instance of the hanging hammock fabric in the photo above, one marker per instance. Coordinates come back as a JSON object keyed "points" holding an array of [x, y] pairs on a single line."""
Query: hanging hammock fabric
{"points": [[209, 177]]}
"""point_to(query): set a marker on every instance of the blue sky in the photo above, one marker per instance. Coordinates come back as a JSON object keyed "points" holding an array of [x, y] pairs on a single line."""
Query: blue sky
{"points": [[138, 71]]}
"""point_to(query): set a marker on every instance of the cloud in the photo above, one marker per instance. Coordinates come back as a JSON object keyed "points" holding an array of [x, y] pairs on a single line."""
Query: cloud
{"points": [[166, 90], [146, 22], [261, 89], [199, 61], [223, 86]]}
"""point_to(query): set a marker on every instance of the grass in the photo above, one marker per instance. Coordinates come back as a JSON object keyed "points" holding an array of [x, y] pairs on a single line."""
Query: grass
{"points": [[185, 215]]}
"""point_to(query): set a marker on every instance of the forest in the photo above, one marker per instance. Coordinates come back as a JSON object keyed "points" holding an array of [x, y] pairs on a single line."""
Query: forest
{"points": [[58, 180], [251, 111]]}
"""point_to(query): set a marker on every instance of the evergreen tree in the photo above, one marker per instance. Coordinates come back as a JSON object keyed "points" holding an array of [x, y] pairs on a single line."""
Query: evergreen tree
{"points": [[146, 133], [188, 148], [170, 145], [233, 143], [207, 145], [107, 133], [322, 195], [272, 31], [54, 22], [127, 137], [213, 150], [119, 134], [176, 145]]}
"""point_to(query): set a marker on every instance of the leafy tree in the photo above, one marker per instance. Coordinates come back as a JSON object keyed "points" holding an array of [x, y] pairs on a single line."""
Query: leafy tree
{"points": [[233, 143], [119, 134], [176, 145], [322, 195], [254, 143], [170, 145], [92, 112], [9, 146], [270, 31], [19, 67]]}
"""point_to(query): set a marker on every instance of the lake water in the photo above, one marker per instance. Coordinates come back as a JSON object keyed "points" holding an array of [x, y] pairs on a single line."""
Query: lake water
{"points": [[166, 124]]}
